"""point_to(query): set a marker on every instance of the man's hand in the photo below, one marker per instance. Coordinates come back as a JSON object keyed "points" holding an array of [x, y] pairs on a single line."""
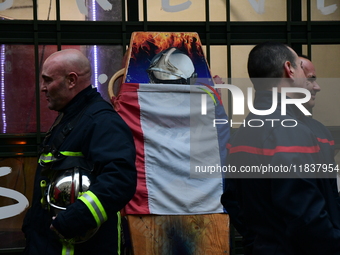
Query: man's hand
{"points": [[218, 80], [55, 230]]}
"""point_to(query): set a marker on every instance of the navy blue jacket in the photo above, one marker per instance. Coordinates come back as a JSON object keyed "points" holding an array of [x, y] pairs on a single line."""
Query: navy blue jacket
{"points": [[107, 143], [298, 214]]}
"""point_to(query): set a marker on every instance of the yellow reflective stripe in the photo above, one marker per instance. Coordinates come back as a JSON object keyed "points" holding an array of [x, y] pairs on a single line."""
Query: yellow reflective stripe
{"points": [[71, 153], [95, 207], [68, 249], [48, 157], [119, 222]]}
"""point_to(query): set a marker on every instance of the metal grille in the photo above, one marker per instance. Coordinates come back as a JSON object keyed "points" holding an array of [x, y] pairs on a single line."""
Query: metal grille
{"points": [[294, 32]]}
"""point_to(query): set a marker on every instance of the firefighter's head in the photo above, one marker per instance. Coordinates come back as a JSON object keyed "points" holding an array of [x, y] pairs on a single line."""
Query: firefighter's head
{"points": [[64, 74]]}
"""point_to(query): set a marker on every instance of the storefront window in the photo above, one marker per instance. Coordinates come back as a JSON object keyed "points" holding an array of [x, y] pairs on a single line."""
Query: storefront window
{"points": [[18, 89]]}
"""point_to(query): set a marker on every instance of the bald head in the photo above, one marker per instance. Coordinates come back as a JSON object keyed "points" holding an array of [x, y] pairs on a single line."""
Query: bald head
{"points": [[71, 60], [64, 74]]}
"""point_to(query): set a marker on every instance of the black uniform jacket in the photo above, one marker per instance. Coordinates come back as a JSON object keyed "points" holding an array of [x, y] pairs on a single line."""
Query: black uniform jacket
{"points": [[106, 142], [295, 212]]}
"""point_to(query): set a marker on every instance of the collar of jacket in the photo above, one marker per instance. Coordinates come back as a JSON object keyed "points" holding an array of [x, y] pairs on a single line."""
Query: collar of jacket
{"points": [[79, 102], [264, 100]]}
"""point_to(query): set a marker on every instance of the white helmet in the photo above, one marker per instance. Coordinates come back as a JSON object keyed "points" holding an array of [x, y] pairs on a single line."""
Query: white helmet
{"points": [[172, 66]]}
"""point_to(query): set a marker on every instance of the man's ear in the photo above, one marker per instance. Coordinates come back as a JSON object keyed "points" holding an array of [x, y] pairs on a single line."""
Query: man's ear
{"points": [[72, 79], [289, 70]]}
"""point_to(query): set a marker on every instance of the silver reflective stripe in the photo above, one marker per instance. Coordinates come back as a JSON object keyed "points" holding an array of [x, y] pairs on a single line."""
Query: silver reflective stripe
{"points": [[46, 158], [98, 213]]}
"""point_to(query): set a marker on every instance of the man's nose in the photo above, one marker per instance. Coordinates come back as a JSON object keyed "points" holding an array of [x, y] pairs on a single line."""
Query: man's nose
{"points": [[316, 86], [43, 87]]}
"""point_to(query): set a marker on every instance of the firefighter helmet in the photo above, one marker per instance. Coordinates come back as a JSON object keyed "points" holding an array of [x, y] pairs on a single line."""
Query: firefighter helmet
{"points": [[172, 66], [64, 189]]}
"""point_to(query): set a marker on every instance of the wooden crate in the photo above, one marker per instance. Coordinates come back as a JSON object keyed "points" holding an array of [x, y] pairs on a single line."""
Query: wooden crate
{"points": [[179, 234]]}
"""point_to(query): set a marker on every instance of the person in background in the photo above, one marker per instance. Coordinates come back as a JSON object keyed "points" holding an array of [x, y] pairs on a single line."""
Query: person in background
{"points": [[313, 86], [287, 214], [324, 137], [89, 142]]}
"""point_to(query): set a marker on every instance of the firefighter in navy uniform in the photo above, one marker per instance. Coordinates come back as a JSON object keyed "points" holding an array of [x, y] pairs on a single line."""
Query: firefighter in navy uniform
{"points": [[86, 171], [296, 212]]}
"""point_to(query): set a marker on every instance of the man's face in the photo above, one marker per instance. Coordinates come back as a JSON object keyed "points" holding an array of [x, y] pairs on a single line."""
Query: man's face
{"points": [[312, 85], [297, 76], [54, 85]]}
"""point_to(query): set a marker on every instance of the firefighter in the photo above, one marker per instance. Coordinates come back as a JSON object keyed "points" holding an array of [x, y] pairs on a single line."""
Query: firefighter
{"points": [[86, 172]]}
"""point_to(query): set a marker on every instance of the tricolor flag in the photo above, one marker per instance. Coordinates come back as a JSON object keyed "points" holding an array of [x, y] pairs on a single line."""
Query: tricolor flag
{"points": [[176, 145]]}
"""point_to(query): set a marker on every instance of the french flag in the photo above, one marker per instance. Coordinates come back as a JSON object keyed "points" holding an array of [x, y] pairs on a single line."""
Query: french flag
{"points": [[180, 152]]}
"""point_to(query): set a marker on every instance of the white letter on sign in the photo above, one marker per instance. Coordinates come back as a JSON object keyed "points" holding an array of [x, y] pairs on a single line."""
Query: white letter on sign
{"points": [[258, 6], [11, 210], [326, 10], [6, 5], [175, 8]]}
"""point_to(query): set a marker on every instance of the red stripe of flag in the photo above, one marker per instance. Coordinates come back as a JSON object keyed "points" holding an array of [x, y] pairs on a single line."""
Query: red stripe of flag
{"points": [[128, 108]]}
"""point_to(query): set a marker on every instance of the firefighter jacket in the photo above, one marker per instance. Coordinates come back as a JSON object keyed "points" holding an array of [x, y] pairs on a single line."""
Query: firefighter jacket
{"points": [[295, 212], [104, 140]]}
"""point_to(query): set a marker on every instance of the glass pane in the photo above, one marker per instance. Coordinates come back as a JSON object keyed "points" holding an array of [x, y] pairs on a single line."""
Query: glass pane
{"points": [[239, 74], [330, 54], [18, 9], [246, 10], [218, 11], [91, 10], [17, 84], [46, 116], [322, 10], [73, 10], [174, 10], [47, 9], [218, 60], [328, 79], [239, 71], [219, 67], [241, 10], [327, 102], [17, 180], [239, 60]]}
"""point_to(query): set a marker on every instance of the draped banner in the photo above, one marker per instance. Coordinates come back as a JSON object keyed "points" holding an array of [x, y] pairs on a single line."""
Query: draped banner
{"points": [[172, 138], [165, 80]]}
